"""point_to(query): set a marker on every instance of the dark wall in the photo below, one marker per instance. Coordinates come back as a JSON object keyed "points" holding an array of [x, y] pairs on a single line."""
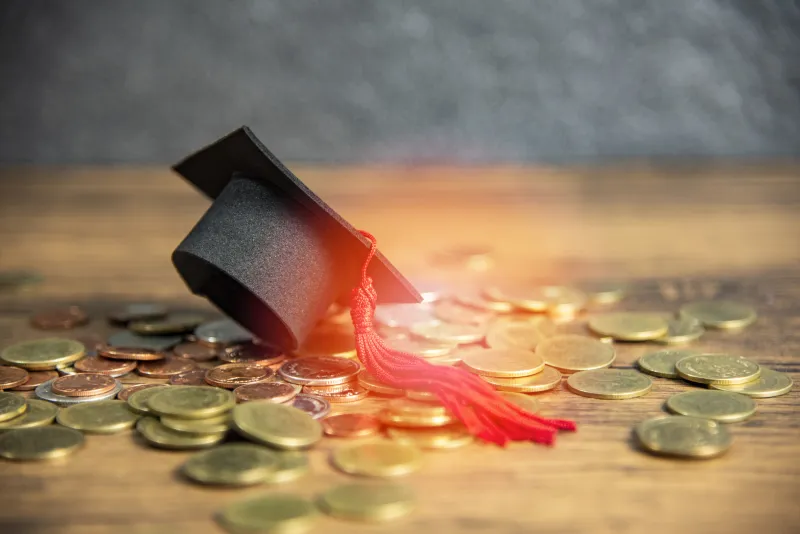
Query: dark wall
{"points": [[391, 80]]}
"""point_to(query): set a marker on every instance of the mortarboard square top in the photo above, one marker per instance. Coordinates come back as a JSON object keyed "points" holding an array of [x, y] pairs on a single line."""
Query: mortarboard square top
{"points": [[269, 252]]}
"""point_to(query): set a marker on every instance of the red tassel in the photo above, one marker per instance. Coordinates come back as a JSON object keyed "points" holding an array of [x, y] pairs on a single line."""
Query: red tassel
{"points": [[475, 403]]}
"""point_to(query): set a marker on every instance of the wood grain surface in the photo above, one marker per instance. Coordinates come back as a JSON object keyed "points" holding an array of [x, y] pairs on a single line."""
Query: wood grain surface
{"points": [[102, 237]]}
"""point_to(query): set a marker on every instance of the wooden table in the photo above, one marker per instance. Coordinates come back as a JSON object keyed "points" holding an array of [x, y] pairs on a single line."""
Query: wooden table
{"points": [[102, 237]]}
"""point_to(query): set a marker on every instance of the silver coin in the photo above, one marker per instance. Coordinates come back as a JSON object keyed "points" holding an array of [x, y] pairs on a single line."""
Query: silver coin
{"points": [[314, 406], [223, 332], [129, 340], [45, 392], [405, 315]]}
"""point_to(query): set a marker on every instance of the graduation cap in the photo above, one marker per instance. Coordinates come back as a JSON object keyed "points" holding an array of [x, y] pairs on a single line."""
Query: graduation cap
{"points": [[269, 252]]}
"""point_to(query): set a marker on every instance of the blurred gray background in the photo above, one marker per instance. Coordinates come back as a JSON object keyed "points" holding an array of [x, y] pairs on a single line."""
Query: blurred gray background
{"points": [[148, 81]]}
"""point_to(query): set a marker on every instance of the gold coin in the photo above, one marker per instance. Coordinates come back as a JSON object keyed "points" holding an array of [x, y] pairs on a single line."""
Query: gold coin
{"points": [[510, 334], [769, 384], [681, 330], [720, 406], [421, 395], [232, 464], [291, 465], [719, 369], [504, 363], [452, 312], [377, 459], [481, 303], [212, 425], [190, 402], [103, 417], [662, 363], [681, 436], [720, 313], [570, 353], [367, 502], [600, 292], [557, 299], [406, 412], [41, 443], [38, 413], [548, 379], [11, 405], [367, 381], [610, 384], [445, 437], [139, 399], [274, 514], [526, 402], [449, 360], [454, 334], [44, 354], [421, 347], [277, 425], [160, 436], [629, 326]]}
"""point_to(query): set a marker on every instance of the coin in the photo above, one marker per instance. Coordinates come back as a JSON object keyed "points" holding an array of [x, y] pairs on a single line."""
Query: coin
{"points": [[34, 379], [329, 341], [253, 354], [556, 299], [454, 334], [189, 402], [526, 402], [509, 334], [504, 363], [720, 406], [138, 401], [718, 369], [367, 502], [133, 388], [279, 514], [377, 459], [570, 353], [222, 333], [410, 413], [421, 395], [174, 323], [420, 347], [367, 381], [106, 417], [45, 392], [604, 292], [43, 354], [137, 312], [340, 393], [443, 437], [681, 436], [233, 375], [129, 340], [65, 369], [475, 300], [291, 465], [194, 377], [313, 406], [11, 377], [662, 363], [719, 313], [279, 392], [351, 425], [165, 368], [211, 425], [610, 384], [319, 370], [231, 464], [83, 385], [404, 316], [769, 384], [681, 330], [453, 312], [38, 413], [163, 437], [40, 443], [195, 351], [629, 326], [104, 366], [548, 379], [11, 405], [116, 353], [60, 319], [277, 425]]}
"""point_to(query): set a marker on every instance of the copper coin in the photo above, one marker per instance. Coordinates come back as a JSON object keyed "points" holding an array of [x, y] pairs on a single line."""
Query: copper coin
{"points": [[351, 425], [165, 368], [104, 366], [35, 378], [60, 318], [11, 377], [233, 375], [252, 353], [125, 393], [319, 370], [195, 351], [339, 393], [278, 392], [195, 377], [119, 353], [83, 385]]}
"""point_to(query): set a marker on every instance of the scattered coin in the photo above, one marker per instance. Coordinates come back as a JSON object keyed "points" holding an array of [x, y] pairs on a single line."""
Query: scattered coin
{"points": [[319, 370], [316, 407], [174, 323], [570, 353], [269, 513], [404, 316], [341, 393], [420, 347], [720, 313], [133, 388], [410, 413], [681, 330], [165, 368], [116, 353], [253, 354], [377, 459], [138, 312], [194, 377], [129, 340], [11, 405], [211, 425], [106, 417], [40, 443], [662, 363], [43, 354], [231, 464], [329, 341], [629, 326], [681, 436], [351, 425], [444, 437], [526, 402], [222, 333], [60, 319], [548, 379], [139, 400], [720, 406], [449, 333], [38, 413], [475, 300], [195, 351], [291, 465], [555, 299], [161, 436], [45, 392], [367, 502], [453, 312], [610, 384], [600, 292], [769, 384], [233, 375], [188, 402], [504, 363], [717, 369], [276, 425], [278, 392], [83, 385], [510, 334], [11, 377], [104, 366]]}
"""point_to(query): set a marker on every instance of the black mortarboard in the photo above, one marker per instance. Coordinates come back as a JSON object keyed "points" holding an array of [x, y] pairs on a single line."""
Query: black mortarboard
{"points": [[269, 252]]}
